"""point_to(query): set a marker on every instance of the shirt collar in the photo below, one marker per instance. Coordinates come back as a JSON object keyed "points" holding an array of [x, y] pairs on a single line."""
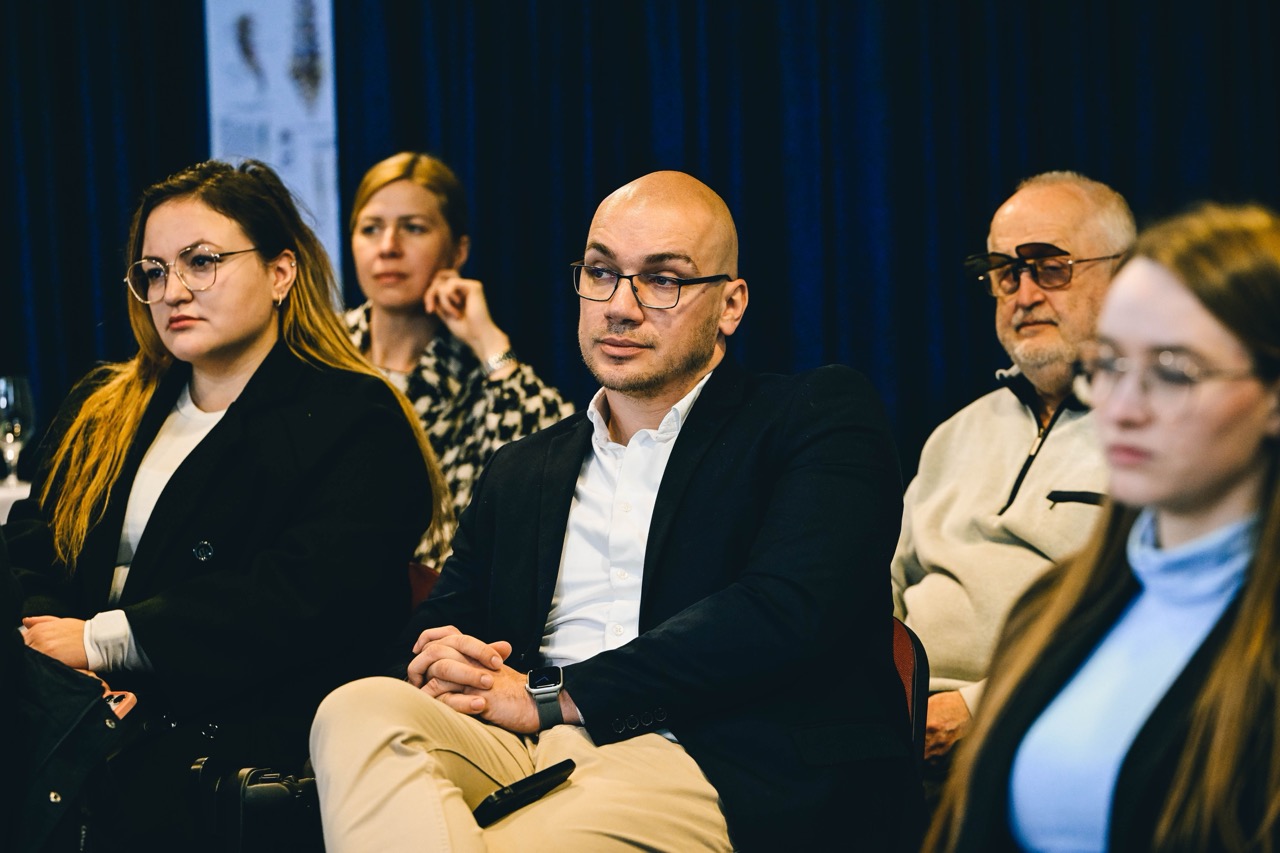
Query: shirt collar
{"points": [[597, 413]]}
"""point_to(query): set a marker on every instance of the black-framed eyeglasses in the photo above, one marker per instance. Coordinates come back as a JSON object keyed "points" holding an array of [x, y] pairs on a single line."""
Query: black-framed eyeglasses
{"points": [[196, 266], [1050, 267], [1166, 378], [652, 290]]}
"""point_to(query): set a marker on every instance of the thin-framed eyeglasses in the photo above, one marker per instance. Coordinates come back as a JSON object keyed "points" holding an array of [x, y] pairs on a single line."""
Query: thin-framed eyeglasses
{"points": [[1166, 378], [196, 266], [652, 290], [1050, 267]]}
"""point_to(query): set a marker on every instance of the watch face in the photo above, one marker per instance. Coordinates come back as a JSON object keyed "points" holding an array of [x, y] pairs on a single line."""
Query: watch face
{"points": [[544, 678]]}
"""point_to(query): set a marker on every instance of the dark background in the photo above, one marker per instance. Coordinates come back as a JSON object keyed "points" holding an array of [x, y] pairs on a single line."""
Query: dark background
{"points": [[862, 147]]}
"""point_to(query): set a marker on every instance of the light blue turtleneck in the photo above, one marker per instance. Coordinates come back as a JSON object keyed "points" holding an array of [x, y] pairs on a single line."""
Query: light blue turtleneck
{"points": [[1064, 772]]}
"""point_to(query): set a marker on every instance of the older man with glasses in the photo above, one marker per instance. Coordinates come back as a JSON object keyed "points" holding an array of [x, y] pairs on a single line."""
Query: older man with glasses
{"points": [[1010, 485], [680, 589]]}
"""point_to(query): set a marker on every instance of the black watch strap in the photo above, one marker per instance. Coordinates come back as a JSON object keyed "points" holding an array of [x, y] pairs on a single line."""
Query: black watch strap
{"points": [[549, 713], [544, 683]]}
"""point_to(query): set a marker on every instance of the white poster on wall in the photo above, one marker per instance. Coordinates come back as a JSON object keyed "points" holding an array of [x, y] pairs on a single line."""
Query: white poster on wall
{"points": [[271, 97]]}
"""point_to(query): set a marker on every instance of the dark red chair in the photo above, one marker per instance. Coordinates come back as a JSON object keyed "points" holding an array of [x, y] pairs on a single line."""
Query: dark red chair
{"points": [[913, 668], [422, 579]]}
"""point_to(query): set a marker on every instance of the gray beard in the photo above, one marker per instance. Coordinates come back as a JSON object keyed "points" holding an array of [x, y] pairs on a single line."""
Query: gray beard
{"points": [[1040, 357], [1047, 368]]}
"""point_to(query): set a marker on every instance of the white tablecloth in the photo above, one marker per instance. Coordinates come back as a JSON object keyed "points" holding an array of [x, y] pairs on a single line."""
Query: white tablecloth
{"points": [[11, 494]]}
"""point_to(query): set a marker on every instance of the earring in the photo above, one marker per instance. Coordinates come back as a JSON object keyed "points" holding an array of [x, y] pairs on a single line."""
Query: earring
{"points": [[279, 301]]}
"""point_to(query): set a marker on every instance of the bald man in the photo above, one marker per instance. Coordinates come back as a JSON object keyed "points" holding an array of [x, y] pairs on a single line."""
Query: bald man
{"points": [[681, 589], [1011, 484]]}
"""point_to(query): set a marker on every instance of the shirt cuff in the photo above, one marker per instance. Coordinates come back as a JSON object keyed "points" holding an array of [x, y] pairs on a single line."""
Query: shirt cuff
{"points": [[110, 646], [972, 695]]}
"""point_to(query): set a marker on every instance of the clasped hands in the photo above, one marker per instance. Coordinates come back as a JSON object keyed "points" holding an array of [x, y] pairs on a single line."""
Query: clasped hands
{"points": [[471, 677]]}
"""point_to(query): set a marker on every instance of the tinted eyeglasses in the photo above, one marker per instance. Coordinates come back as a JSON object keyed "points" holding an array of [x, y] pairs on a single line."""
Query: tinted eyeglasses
{"points": [[1050, 267]]}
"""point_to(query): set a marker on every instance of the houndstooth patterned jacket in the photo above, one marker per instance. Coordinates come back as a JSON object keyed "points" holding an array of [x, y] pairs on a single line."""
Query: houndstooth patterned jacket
{"points": [[466, 416]]}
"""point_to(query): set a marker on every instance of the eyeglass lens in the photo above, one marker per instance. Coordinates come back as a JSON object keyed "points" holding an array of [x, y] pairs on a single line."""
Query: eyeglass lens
{"points": [[197, 266], [1165, 382], [1049, 266], [653, 290], [1046, 272]]}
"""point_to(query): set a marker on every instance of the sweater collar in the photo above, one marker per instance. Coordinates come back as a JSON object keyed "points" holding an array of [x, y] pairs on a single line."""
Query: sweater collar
{"points": [[1016, 381], [1211, 567]]}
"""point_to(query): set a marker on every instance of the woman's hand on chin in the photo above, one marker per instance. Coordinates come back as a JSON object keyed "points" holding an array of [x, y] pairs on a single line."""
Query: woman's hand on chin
{"points": [[460, 303]]}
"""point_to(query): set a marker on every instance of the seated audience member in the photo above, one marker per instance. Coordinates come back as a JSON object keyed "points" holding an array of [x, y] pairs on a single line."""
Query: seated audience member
{"points": [[429, 330], [1010, 485], [1133, 696], [206, 522], [687, 571]]}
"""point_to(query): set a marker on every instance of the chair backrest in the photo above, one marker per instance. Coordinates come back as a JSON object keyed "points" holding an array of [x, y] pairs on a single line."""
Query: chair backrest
{"points": [[422, 579], [913, 668]]}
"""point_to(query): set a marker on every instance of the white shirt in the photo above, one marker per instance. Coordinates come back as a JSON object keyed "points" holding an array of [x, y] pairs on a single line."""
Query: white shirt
{"points": [[596, 604], [108, 639]]}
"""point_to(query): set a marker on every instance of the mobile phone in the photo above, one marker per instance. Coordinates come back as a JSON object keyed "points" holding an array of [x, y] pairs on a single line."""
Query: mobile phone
{"points": [[121, 701], [517, 795]]}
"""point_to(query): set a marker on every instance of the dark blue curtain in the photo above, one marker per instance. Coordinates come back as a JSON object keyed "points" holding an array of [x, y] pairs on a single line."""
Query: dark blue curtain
{"points": [[862, 147], [98, 100]]}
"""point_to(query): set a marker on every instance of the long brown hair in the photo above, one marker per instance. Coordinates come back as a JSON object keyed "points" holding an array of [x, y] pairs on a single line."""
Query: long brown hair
{"points": [[1229, 258], [98, 438]]}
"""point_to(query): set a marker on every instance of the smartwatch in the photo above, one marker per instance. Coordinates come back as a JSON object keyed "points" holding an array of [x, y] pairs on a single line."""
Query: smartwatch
{"points": [[544, 685]]}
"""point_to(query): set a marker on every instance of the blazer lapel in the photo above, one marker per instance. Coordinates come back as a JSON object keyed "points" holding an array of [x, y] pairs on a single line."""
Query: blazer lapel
{"points": [[102, 545], [560, 471], [173, 514], [988, 817], [717, 403]]}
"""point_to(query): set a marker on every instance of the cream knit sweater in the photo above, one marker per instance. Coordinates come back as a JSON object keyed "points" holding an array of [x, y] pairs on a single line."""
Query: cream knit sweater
{"points": [[967, 551]]}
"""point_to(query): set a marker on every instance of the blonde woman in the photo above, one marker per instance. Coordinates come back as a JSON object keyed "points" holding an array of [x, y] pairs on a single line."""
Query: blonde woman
{"points": [[212, 518], [429, 329]]}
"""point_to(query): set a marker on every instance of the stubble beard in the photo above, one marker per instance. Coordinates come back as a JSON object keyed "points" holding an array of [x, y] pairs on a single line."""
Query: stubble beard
{"points": [[690, 363]]}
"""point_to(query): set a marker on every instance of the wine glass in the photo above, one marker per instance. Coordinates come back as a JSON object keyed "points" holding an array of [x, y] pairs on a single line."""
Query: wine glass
{"points": [[17, 421]]}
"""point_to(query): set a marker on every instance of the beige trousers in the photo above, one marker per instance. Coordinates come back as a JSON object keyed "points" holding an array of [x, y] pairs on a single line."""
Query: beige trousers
{"points": [[398, 770]]}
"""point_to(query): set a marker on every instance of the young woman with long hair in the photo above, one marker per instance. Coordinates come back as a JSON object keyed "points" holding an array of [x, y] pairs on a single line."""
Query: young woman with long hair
{"points": [[221, 523], [1134, 705]]}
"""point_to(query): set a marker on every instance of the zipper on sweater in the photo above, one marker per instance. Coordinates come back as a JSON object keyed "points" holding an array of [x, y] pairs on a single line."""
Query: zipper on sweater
{"points": [[1031, 455]]}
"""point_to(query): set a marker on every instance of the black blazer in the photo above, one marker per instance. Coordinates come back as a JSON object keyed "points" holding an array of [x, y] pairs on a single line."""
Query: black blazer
{"points": [[765, 641], [1148, 768], [272, 562]]}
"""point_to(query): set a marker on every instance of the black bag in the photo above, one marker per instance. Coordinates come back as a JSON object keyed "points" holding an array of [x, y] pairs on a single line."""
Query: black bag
{"points": [[63, 735], [257, 809]]}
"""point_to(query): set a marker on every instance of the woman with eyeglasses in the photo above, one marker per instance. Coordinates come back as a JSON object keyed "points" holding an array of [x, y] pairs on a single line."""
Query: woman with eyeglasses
{"points": [[1134, 705], [429, 330], [221, 523]]}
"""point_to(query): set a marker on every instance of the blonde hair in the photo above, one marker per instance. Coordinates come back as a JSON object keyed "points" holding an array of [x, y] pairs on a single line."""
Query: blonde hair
{"points": [[1229, 258], [96, 442], [426, 171]]}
